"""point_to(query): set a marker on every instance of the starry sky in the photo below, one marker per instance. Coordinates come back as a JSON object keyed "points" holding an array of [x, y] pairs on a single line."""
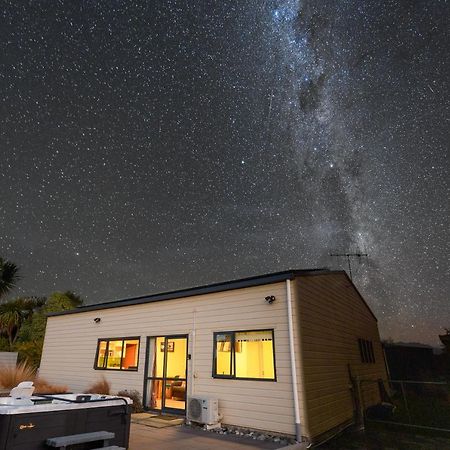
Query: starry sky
{"points": [[154, 145]]}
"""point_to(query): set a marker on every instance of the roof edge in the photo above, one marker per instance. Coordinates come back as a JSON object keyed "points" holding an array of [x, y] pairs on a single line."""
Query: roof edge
{"points": [[360, 296], [258, 280]]}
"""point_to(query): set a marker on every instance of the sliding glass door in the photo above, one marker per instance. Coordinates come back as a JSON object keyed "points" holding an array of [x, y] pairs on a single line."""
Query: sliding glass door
{"points": [[166, 372]]}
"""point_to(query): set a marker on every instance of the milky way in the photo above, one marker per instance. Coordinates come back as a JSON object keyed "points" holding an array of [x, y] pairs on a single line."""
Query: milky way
{"points": [[149, 146]]}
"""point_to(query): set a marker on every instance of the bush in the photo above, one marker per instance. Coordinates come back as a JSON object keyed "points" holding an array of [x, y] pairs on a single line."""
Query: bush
{"points": [[30, 352], [41, 386], [4, 344], [137, 406], [11, 376], [102, 386]]}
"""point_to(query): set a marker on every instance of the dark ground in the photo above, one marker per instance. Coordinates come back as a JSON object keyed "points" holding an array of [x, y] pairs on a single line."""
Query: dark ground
{"points": [[379, 437]]}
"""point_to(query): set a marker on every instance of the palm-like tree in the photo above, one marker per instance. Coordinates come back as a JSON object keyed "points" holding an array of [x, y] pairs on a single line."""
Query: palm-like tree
{"points": [[9, 276], [14, 313]]}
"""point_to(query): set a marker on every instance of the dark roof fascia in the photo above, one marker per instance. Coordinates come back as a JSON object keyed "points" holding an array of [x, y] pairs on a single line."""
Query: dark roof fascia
{"points": [[201, 290]]}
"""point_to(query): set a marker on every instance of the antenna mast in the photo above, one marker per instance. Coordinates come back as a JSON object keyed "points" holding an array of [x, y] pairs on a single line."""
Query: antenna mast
{"points": [[348, 256]]}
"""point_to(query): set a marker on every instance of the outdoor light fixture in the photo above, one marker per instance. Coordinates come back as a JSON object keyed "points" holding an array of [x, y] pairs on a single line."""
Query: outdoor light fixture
{"points": [[270, 299], [97, 320]]}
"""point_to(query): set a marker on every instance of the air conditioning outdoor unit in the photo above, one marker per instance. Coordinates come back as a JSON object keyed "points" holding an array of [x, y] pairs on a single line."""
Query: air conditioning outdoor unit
{"points": [[203, 409]]}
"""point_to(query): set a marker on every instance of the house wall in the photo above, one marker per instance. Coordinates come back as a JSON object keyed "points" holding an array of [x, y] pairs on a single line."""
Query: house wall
{"points": [[8, 358], [71, 340], [331, 318]]}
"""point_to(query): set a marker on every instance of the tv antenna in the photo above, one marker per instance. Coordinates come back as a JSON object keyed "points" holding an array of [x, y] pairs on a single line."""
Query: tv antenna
{"points": [[349, 256]]}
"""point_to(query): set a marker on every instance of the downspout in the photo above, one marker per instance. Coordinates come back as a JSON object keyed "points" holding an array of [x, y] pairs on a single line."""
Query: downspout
{"points": [[193, 376], [298, 433]]}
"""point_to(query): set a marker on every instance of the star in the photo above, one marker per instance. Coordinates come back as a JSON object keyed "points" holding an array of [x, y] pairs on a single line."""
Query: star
{"points": [[154, 146]]}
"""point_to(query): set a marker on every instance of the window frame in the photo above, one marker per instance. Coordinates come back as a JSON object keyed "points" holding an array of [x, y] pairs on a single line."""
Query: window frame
{"points": [[108, 340], [366, 353], [233, 376]]}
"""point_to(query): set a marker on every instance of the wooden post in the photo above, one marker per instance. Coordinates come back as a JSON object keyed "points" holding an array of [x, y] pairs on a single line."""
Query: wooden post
{"points": [[405, 401]]}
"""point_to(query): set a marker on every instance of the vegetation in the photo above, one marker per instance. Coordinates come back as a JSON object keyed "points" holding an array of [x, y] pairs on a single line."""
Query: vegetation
{"points": [[9, 276], [11, 376], [30, 337], [43, 387], [429, 407], [137, 406], [380, 436], [23, 320], [103, 386], [14, 313]]}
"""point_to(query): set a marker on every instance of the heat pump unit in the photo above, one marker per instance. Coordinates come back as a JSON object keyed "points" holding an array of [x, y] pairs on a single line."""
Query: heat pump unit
{"points": [[203, 409]]}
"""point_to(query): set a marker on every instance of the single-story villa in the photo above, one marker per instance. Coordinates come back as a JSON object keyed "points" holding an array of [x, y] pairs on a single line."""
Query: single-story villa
{"points": [[279, 351]]}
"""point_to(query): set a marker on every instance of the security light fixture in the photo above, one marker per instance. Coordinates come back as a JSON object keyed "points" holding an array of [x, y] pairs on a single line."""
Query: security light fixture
{"points": [[270, 299], [97, 320]]}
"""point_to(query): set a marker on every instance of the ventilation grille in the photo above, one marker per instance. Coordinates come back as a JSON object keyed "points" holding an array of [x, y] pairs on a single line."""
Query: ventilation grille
{"points": [[195, 408], [203, 409]]}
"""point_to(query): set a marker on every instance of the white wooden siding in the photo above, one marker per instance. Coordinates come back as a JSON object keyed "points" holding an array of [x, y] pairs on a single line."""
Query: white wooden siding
{"points": [[71, 341], [8, 358]]}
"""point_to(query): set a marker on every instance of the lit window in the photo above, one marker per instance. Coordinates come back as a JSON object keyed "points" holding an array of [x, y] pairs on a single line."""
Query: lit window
{"points": [[117, 354], [244, 355]]}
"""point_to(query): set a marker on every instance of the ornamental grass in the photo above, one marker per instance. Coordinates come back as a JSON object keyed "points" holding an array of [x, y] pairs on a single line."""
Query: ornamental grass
{"points": [[11, 376], [102, 386], [41, 386]]}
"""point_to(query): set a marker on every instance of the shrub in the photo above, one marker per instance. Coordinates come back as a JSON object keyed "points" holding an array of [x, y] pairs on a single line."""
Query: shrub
{"points": [[137, 406], [30, 352], [4, 344], [102, 386], [11, 376], [41, 386]]}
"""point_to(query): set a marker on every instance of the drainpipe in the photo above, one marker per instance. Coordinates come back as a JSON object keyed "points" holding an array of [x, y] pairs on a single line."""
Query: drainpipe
{"points": [[191, 371], [298, 434]]}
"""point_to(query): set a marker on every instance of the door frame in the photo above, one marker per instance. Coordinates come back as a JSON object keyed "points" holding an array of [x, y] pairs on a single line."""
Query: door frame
{"points": [[147, 378]]}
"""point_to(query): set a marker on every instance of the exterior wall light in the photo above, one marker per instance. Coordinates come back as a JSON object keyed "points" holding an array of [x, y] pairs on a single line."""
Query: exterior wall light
{"points": [[270, 299], [97, 320]]}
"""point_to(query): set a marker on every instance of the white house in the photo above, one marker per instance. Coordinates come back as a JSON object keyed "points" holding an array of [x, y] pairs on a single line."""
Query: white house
{"points": [[277, 350]]}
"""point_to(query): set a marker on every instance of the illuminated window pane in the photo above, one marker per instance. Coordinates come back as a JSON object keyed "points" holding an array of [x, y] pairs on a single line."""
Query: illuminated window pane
{"points": [[245, 354], [117, 354], [254, 355], [159, 361], [114, 354], [223, 354], [176, 358], [101, 354], [130, 354]]}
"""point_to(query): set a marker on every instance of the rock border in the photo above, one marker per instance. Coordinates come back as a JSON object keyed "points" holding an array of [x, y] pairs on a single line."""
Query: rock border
{"points": [[257, 435]]}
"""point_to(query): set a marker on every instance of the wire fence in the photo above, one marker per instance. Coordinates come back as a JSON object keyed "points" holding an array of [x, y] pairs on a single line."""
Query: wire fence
{"points": [[416, 404]]}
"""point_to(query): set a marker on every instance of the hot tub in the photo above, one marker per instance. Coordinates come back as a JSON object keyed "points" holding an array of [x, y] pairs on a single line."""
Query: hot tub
{"points": [[26, 423]]}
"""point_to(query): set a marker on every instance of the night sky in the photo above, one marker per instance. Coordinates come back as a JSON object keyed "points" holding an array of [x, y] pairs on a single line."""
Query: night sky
{"points": [[154, 145]]}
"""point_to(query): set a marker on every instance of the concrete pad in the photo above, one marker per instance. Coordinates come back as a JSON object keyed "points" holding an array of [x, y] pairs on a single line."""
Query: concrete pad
{"points": [[186, 438], [298, 446]]}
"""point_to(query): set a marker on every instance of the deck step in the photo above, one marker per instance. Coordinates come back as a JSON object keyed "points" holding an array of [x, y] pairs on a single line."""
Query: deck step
{"points": [[62, 442]]}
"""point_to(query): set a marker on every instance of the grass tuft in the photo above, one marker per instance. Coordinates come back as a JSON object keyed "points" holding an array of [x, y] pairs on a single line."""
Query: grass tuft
{"points": [[43, 387], [11, 376], [102, 386]]}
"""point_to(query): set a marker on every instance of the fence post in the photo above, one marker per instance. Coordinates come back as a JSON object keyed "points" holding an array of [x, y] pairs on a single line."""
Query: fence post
{"points": [[405, 401], [361, 422]]}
